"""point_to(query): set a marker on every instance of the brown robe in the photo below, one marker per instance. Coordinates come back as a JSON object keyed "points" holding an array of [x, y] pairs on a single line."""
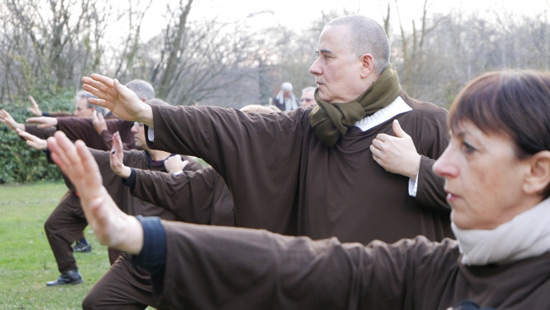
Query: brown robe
{"points": [[228, 268], [121, 194], [284, 179], [199, 197], [83, 129]]}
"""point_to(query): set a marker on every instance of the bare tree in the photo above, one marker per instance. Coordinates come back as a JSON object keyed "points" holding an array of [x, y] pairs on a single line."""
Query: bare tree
{"points": [[49, 44]]}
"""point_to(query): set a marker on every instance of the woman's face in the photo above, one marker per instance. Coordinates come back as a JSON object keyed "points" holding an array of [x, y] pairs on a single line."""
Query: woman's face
{"points": [[483, 178]]}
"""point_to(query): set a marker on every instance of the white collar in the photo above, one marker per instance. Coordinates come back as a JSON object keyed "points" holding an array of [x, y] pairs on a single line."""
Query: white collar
{"points": [[398, 106], [526, 235]]}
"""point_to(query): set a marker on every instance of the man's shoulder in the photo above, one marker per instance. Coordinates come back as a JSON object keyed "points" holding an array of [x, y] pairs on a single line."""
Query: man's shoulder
{"points": [[424, 108], [421, 105]]}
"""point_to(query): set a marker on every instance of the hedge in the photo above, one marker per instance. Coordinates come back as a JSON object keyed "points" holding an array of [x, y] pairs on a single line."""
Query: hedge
{"points": [[19, 163]]}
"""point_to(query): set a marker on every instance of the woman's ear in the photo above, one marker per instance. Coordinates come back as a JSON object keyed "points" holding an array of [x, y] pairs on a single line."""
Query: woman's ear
{"points": [[538, 178]]}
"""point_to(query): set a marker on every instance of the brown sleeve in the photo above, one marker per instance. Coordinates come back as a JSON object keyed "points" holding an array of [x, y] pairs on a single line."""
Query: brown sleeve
{"points": [[81, 129], [192, 164], [107, 138], [124, 128], [220, 135], [430, 191], [258, 156], [230, 268], [42, 133], [192, 196], [431, 138]]}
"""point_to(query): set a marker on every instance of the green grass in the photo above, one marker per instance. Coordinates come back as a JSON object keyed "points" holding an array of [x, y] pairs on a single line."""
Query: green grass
{"points": [[26, 260]]}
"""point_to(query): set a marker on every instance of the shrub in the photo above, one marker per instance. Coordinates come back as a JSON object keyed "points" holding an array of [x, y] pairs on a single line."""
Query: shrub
{"points": [[19, 162]]}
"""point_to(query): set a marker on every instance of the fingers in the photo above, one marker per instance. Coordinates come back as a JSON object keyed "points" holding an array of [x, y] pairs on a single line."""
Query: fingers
{"points": [[98, 85], [117, 142], [100, 88], [97, 82], [25, 135], [35, 120], [92, 175], [64, 154], [376, 152], [399, 132], [33, 102], [4, 115], [43, 121], [94, 116], [58, 157], [117, 156]]}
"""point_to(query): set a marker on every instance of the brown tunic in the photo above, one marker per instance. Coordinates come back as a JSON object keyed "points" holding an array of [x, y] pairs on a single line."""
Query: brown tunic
{"points": [[284, 179], [228, 268], [83, 129], [199, 197], [121, 194]]}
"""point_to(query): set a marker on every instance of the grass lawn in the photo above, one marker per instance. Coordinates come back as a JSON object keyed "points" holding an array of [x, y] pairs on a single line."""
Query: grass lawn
{"points": [[26, 260]]}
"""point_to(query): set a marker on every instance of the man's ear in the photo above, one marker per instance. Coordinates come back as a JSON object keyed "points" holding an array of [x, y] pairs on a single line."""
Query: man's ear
{"points": [[367, 65], [538, 177]]}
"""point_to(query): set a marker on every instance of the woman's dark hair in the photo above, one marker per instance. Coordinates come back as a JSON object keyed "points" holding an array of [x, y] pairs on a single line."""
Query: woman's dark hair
{"points": [[513, 103]]}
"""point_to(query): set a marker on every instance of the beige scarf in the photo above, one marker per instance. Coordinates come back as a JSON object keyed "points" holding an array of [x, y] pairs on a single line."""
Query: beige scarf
{"points": [[332, 120], [526, 235]]}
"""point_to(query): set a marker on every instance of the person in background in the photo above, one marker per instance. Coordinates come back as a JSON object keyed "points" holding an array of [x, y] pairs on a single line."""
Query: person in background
{"points": [[308, 97], [285, 99], [83, 107]]}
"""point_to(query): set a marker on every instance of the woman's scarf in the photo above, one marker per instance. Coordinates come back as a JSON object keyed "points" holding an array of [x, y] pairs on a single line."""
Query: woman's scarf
{"points": [[526, 235]]}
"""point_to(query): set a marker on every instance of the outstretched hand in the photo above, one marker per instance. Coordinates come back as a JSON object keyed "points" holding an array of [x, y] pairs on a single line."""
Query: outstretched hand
{"points": [[116, 97], [6, 118], [34, 109], [43, 121], [32, 140], [111, 226], [117, 158], [396, 154]]}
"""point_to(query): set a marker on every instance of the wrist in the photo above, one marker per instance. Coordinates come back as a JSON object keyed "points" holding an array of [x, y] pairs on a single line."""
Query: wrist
{"points": [[132, 243], [415, 168], [124, 172], [146, 115]]}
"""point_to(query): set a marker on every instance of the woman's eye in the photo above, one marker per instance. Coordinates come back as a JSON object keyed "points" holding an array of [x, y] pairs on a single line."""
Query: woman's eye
{"points": [[468, 148]]}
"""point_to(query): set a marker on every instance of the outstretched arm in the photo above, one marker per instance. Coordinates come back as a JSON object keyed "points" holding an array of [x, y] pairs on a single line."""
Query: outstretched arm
{"points": [[43, 121], [116, 97], [6, 118], [111, 226]]}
